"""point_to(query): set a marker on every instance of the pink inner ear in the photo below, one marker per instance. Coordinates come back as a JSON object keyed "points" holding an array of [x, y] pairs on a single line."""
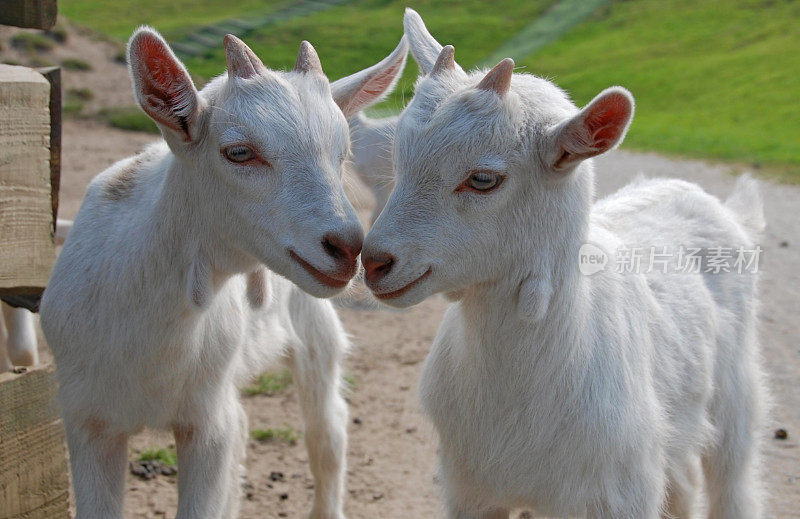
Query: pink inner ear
{"points": [[376, 86], [607, 119], [164, 84]]}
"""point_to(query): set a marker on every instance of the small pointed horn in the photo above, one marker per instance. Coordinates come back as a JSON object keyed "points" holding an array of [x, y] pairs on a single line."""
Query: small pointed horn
{"points": [[499, 78], [445, 61], [308, 60], [242, 62]]}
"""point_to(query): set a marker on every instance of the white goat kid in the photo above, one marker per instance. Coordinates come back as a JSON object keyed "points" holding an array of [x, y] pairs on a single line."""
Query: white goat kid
{"points": [[569, 394], [158, 307]]}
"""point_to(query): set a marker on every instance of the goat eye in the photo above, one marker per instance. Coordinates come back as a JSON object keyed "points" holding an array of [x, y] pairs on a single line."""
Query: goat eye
{"points": [[483, 181], [239, 153]]}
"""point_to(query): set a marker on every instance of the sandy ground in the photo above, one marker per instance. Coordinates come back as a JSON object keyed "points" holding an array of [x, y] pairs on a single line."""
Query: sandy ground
{"points": [[392, 449]]}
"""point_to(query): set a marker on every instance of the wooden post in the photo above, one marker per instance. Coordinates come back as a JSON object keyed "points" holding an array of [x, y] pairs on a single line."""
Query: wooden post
{"points": [[33, 466], [34, 14], [53, 76], [27, 252]]}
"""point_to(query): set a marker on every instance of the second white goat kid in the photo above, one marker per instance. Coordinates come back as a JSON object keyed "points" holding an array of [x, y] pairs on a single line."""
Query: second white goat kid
{"points": [[159, 306], [599, 396]]}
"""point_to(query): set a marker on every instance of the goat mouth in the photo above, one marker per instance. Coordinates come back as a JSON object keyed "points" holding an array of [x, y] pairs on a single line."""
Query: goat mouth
{"points": [[320, 276], [399, 292]]}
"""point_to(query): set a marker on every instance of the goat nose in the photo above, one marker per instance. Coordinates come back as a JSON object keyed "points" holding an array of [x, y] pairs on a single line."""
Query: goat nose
{"points": [[377, 266], [340, 248]]}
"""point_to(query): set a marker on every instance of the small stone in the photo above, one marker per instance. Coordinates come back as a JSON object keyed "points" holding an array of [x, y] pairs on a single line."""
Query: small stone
{"points": [[276, 476], [249, 495], [411, 430], [19, 370], [357, 420], [284, 496], [784, 244], [165, 470], [377, 496], [781, 434], [283, 514]]}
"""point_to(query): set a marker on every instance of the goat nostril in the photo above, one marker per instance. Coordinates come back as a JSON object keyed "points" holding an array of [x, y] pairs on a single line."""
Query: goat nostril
{"points": [[386, 267], [338, 248], [331, 249], [378, 266]]}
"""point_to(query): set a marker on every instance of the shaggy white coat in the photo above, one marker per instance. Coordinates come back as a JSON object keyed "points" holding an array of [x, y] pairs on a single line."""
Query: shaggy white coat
{"points": [[160, 305], [599, 396]]}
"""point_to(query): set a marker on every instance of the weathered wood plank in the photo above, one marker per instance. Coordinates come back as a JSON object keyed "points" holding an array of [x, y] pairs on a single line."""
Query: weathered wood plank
{"points": [[35, 14], [53, 76], [27, 251], [33, 462]]}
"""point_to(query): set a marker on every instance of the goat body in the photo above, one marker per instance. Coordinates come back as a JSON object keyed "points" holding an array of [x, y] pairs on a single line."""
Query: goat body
{"points": [[161, 304], [599, 393]]}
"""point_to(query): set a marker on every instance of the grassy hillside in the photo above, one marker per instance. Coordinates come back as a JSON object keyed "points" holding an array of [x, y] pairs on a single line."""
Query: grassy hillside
{"points": [[117, 18], [712, 78], [357, 35]]}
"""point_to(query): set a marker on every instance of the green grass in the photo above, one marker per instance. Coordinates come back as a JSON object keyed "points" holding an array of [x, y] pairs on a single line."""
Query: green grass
{"points": [[357, 35], [32, 41], [175, 18], [269, 384], [711, 78], [350, 382], [167, 456], [282, 434], [76, 64], [129, 118]]}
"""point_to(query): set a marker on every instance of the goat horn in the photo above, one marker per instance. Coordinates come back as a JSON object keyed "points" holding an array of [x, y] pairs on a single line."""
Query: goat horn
{"points": [[308, 60], [242, 62], [445, 61], [499, 78]]}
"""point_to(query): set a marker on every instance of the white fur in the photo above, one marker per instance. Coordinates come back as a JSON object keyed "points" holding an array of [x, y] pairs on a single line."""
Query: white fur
{"points": [[159, 306], [372, 156], [371, 139], [598, 396]]}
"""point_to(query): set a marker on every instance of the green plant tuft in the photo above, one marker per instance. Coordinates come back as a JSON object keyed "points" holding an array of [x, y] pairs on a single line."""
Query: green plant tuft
{"points": [[129, 118], [286, 434], [77, 64], [167, 456], [269, 384], [31, 41]]}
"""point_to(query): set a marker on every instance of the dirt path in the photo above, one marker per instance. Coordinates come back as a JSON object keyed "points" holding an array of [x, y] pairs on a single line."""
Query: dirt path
{"points": [[392, 449]]}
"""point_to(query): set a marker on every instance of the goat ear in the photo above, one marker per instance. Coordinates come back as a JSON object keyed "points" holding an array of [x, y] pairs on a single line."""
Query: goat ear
{"points": [[424, 47], [498, 79], [362, 89], [242, 61], [161, 84], [598, 128], [308, 60]]}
